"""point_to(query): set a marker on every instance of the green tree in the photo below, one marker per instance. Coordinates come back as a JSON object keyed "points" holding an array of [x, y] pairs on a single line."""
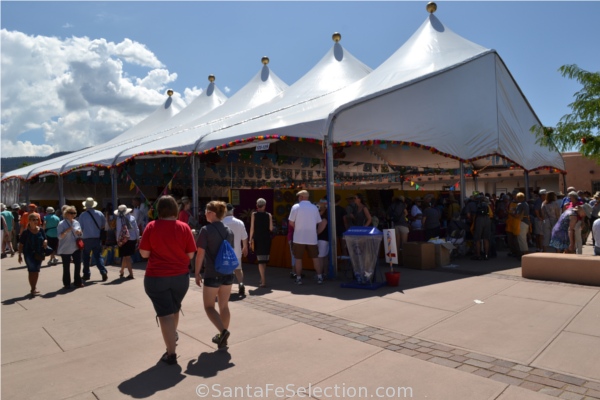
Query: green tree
{"points": [[581, 128]]}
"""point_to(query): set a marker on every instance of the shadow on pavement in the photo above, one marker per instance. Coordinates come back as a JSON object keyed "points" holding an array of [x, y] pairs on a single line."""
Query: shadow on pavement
{"points": [[209, 364], [155, 379]]}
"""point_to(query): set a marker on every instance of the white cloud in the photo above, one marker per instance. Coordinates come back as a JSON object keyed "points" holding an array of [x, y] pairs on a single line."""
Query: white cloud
{"points": [[19, 148], [190, 94], [67, 26], [75, 90], [227, 89]]}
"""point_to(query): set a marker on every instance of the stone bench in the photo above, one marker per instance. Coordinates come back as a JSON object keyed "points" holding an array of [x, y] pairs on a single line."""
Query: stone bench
{"points": [[571, 268]]}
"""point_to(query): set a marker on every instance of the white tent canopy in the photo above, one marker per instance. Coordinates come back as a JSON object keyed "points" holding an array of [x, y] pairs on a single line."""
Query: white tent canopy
{"points": [[337, 69], [438, 90], [56, 166], [452, 98], [260, 89]]}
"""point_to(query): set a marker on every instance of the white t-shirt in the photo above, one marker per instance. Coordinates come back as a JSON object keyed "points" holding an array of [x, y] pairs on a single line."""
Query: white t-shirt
{"points": [[239, 234], [596, 232], [305, 216], [414, 211]]}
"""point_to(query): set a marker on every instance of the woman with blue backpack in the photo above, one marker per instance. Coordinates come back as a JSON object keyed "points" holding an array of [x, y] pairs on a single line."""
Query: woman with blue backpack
{"points": [[218, 278]]}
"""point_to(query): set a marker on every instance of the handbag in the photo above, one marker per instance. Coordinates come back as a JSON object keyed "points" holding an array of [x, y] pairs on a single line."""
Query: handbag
{"points": [[48, 250], [79, 243], [123, 234]]}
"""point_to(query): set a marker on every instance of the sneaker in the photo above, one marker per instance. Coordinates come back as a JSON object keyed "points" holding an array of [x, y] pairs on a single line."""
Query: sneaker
{"points": [[242, 290], [85, 278], [220, 339], [292, 275], [298, 281], [104, 277], [170, 359], [319, 280]]}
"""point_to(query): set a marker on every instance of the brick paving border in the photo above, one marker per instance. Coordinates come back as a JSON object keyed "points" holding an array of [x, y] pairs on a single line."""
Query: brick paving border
{"points": [[538, 380]]}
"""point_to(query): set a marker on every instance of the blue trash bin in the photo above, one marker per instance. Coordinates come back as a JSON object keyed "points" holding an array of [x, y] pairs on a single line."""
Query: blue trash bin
{"points": [[363, 248]]}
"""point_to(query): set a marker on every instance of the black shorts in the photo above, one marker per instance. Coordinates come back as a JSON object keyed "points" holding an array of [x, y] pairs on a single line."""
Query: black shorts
{"points": [[218, 281], [166, 292], [128, 249], [53, 242]]}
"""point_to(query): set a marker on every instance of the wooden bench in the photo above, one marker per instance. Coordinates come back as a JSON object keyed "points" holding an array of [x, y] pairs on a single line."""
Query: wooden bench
{"points": [[571, 268]]}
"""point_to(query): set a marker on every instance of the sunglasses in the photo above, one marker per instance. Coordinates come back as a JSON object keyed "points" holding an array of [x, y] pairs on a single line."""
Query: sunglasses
{"points": [[71, 212]]}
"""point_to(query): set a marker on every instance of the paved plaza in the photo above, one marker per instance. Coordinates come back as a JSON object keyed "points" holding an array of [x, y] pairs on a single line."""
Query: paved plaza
{"points": [[476, 331]]}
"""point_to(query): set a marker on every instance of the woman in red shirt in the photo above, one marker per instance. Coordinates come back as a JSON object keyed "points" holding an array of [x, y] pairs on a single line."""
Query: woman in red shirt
{"points": [[169, 246]]}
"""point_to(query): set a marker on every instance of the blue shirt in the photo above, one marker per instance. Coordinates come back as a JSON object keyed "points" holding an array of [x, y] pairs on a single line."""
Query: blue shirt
{"points": [[51, 224], [89, 228]]}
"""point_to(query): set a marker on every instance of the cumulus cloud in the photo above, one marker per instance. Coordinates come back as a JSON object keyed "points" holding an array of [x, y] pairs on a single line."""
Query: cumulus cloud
{"points": [[75, 90], [68, 25], [227, 89]]}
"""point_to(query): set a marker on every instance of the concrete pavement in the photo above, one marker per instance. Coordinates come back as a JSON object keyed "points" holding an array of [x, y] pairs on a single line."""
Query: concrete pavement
{"points": [[477, 331]]}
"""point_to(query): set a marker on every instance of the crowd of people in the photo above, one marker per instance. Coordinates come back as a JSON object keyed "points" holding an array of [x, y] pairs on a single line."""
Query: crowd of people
{"points": [[177, 246]]}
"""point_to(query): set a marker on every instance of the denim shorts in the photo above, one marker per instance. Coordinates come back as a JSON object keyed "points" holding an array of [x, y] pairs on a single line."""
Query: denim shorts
{"points": [[166, 292], [33, 265], [218, 281]]}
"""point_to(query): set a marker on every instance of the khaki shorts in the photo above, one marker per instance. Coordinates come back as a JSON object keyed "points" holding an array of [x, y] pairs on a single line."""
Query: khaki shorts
{"points": [[298, 250]]}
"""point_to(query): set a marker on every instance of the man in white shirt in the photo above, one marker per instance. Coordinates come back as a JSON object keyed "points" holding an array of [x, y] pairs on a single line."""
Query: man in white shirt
{"points": [[304, 218], [240, 244]]}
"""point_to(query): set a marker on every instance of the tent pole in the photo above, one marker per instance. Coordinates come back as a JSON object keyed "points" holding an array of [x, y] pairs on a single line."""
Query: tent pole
{"points": [[61, 191], [113, 184], [331, 203], [194, 186], [462, 185], [27, 192], [526, 186]]}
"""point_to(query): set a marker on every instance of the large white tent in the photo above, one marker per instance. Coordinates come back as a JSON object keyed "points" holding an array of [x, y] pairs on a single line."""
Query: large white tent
{"points": [[452, 99], [261, 88], [439, 92]]}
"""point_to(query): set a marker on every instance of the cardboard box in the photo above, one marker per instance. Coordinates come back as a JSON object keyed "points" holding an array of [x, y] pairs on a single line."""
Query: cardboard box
{"points": [[442, 255], [418, 255]]}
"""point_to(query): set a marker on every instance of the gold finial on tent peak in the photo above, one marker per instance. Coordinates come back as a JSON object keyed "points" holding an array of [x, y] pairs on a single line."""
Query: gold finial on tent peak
{"points": [[431, 7], [265, 60], [336, 37], [169, 92], [211, 78]]}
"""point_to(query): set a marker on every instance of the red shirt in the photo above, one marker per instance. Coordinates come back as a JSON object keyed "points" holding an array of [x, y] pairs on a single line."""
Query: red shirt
{"points": [[168, 242], [184, 216]]}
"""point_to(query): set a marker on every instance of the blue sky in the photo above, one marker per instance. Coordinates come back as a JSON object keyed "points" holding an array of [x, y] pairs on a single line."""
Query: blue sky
{"points": [[149, 47]]}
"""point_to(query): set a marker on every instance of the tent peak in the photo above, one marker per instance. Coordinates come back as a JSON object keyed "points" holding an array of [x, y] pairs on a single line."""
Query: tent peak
{"points": [[431, 7], [170, 92], [265, 60], [211, 78], [336, 37]]}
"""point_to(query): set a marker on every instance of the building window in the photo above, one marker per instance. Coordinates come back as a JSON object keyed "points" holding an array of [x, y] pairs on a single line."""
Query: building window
{"points": [[595, 186]]}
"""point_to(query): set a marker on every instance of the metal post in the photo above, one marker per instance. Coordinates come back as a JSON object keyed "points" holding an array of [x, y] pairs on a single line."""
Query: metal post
{"points": [[27, 192], [526, 186], [462, 185], [194, 186], [114, 188], [331, 203], [61, 192]]}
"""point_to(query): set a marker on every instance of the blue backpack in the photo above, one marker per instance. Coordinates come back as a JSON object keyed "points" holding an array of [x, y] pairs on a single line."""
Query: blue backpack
{"points": [[226, 261]]}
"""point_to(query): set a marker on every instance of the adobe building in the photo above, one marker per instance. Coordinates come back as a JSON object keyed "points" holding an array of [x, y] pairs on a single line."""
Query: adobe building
{"points": [[582, 173]]}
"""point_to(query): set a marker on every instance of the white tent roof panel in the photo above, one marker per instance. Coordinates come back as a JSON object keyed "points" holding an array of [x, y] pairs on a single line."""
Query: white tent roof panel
{"points": [[336, 69]]}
